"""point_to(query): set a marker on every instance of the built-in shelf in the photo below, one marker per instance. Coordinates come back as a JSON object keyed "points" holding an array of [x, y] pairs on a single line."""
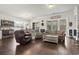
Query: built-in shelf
{"points": [[7, 28]]}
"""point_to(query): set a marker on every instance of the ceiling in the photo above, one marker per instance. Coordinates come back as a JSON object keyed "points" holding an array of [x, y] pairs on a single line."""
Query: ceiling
{"points": [[32, 10]]}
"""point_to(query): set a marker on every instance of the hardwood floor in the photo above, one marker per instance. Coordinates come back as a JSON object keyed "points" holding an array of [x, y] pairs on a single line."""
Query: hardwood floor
{"points": [[38, 47]]}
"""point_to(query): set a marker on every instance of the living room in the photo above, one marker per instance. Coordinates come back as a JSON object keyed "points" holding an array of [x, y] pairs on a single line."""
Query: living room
{"points": [[39, 29]]}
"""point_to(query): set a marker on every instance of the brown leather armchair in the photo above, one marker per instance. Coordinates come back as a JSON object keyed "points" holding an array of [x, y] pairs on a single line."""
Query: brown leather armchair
{"points": [[22, 37], [61, 37]]}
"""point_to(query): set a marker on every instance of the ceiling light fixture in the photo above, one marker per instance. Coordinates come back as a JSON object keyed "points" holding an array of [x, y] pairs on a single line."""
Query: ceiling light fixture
{"points": [[50, 5]]}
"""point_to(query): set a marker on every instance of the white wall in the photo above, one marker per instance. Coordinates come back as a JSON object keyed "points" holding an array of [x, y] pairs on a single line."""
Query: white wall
{"points": [[17, 20], [68, 15], [77, 20]]}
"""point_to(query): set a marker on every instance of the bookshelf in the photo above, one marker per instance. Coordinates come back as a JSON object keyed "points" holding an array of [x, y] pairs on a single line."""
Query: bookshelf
{"points": [[6, 29]]}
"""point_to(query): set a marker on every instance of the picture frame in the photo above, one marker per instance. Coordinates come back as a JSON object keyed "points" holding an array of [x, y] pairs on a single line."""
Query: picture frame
{"points": [[70, 24]]}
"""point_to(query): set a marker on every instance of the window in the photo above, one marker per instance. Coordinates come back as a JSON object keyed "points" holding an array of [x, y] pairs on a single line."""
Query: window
{"points": [[75, 32], [70, 32]]}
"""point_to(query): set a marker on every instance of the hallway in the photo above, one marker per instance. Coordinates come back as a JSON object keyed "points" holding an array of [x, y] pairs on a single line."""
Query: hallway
{"points": [[38, 47]]}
